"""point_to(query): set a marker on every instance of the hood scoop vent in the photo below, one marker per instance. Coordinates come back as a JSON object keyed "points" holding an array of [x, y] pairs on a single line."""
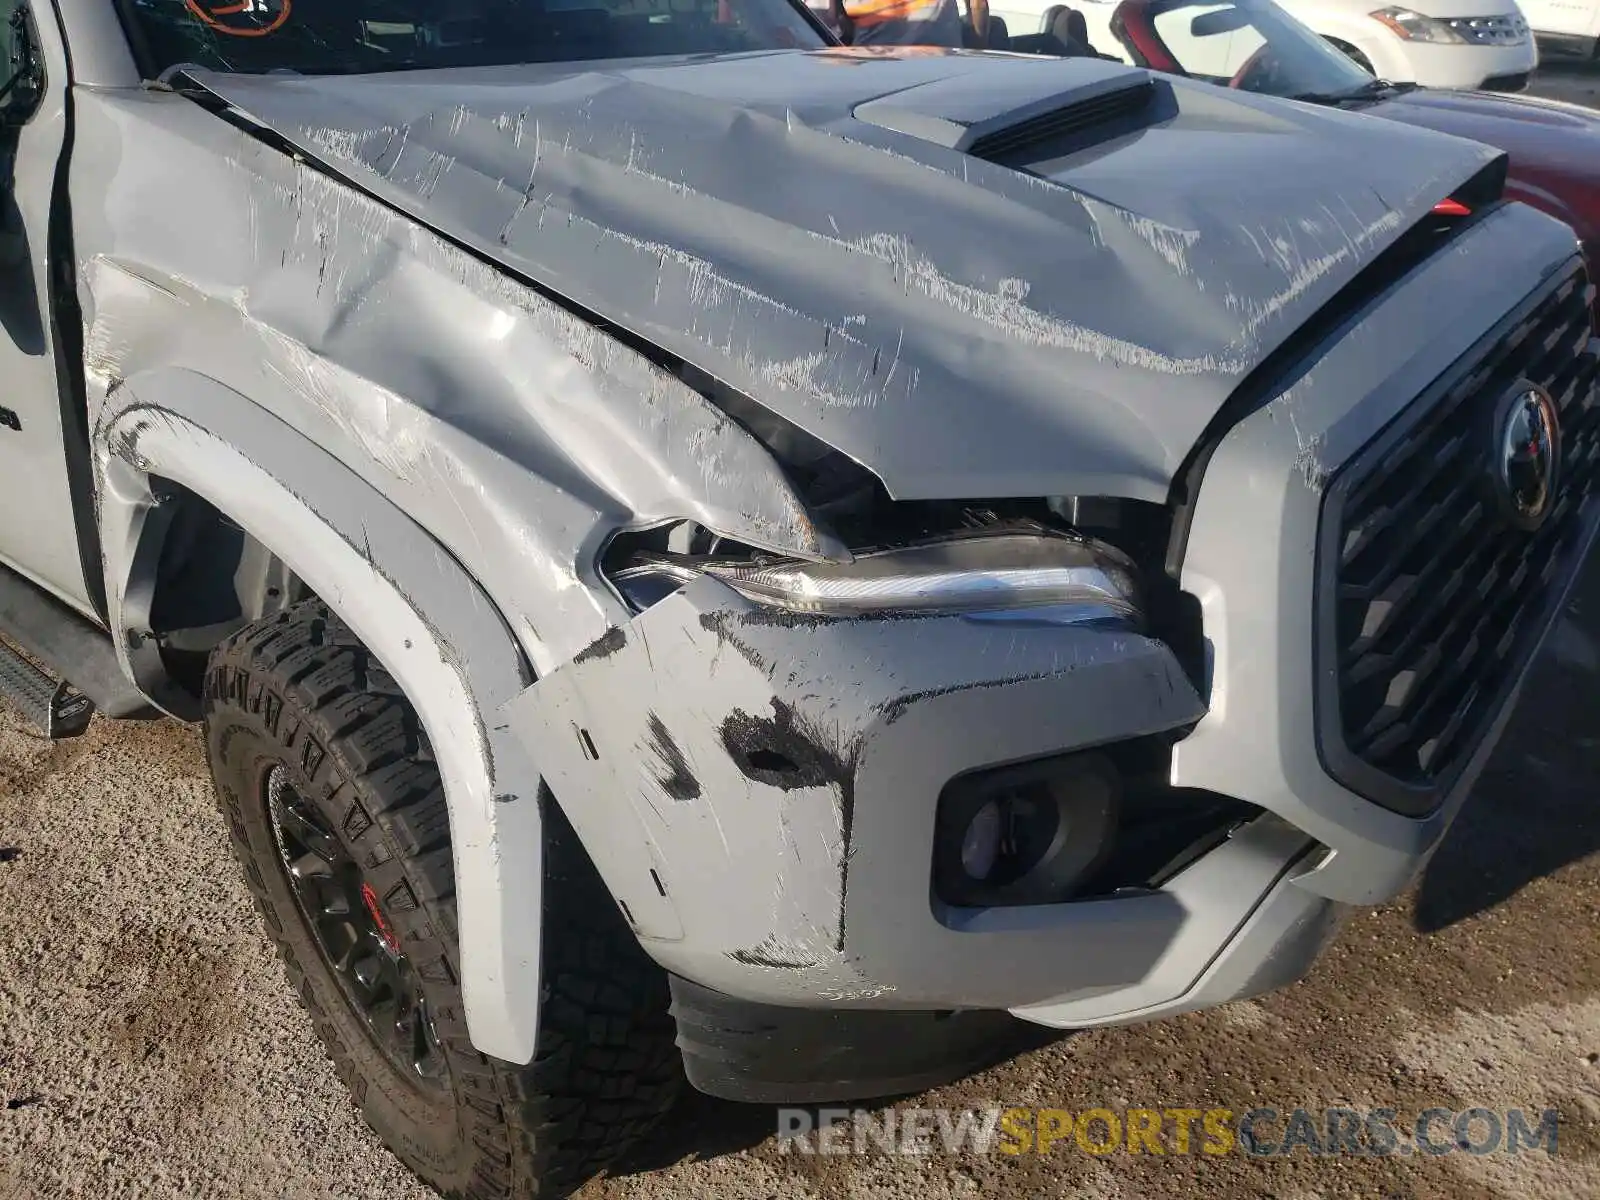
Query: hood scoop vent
{"points": [[998, 115], [1070, 121]]}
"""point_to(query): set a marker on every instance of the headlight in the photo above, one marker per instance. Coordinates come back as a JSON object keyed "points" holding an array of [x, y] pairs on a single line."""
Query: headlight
{"points": [[1414, 27], [968, 573]]}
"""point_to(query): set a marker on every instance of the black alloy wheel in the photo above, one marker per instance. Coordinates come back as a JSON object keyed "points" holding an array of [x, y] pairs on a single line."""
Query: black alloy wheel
{"points": [[345, 919]]}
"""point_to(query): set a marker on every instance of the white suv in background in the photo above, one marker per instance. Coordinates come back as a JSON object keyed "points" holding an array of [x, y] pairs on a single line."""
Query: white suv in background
{"points": [[1566, 26], [1483, 44]]}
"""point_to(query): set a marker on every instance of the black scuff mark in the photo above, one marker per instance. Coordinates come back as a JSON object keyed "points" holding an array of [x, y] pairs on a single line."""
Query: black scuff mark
{"points": [[847, 816], [785, 751], [124, 444], [23, 1102], [10, 853], [768, 953], [678, 779], [720, 625], [723, 621], [896, 708], [604, 646], [726, 627], [781, 751]]}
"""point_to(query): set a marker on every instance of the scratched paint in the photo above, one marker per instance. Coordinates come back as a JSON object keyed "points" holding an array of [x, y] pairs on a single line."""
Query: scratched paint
{"points": [[513, 428], [1078, 343]]}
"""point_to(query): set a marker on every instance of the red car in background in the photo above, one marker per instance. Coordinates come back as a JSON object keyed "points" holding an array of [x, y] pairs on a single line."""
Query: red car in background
{"points": [[1554, 147], [1254, 45]]}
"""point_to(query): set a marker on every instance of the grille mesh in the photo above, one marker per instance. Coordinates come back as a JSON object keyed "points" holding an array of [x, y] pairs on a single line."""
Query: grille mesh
{"points": [[1438, 601], [1502, 30]]}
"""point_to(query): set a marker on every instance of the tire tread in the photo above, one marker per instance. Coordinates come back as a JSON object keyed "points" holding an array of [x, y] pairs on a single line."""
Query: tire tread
{"points": [[607, 1066]]}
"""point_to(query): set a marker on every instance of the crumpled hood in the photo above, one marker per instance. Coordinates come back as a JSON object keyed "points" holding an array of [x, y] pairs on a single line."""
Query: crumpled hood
{"points": [[810, 229]]}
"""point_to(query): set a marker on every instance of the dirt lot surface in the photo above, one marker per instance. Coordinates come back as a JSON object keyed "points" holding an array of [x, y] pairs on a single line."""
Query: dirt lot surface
{"points": [[1573, 82], [149, 1046]]}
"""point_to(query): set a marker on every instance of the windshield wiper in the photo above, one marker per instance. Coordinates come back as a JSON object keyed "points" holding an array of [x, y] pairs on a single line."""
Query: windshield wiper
{"points": [[1373, 89]]}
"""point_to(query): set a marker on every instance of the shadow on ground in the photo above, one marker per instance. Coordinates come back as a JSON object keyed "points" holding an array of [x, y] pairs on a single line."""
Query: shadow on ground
{"points": [[701, 1127], [1537, 806]]}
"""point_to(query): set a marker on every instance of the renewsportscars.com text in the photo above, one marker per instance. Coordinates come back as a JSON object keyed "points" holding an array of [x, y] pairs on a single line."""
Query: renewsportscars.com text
{"points": [[1257, 1132]]}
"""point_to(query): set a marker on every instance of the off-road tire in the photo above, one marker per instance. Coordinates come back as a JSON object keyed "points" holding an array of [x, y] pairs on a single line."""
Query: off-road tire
{"points": [[300, 690]]}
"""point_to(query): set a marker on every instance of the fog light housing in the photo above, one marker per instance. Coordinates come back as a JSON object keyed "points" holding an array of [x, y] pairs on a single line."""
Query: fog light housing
{"points": [[1026, 834], [980, 842]]}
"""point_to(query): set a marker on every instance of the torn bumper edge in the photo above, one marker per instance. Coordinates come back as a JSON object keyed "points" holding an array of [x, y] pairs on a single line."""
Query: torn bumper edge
{"points": [[759, 792]]}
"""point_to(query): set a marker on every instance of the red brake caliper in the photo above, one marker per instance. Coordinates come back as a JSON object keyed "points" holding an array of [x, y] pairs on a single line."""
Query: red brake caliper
{"points": [[385, 934]]}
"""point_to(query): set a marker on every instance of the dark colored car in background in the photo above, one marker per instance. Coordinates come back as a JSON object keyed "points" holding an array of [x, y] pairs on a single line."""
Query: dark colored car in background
{"points": [[1254, 45]]}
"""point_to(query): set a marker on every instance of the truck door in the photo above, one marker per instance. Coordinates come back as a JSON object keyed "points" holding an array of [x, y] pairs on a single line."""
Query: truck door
{"points": [[39, 527]]}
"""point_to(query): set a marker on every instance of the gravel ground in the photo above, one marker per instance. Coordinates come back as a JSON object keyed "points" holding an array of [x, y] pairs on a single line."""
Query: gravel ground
{"points": [[149, 1046]]}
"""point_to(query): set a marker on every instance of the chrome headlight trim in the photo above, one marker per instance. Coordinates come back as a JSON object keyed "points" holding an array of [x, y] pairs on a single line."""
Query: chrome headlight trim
{"points": [[978, 572]]}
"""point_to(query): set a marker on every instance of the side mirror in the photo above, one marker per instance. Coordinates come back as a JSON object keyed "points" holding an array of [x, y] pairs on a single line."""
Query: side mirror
{"points": [[21, 68], [1218, 21]]}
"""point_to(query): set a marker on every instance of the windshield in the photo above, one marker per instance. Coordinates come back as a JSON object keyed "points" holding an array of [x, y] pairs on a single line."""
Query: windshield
{"points": [[1252, 45], [346, 36]]}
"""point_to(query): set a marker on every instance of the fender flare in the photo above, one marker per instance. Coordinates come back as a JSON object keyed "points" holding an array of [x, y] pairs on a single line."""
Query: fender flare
{"points": [[403, 594]]}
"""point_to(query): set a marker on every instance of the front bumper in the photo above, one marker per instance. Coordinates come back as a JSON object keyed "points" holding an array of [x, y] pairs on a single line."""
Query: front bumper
{"points": [[1582, 44], [1497, 68], [758, 789]]}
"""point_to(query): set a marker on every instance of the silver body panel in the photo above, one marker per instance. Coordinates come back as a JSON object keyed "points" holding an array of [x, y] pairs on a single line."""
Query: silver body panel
{"points": [[444, 337]]}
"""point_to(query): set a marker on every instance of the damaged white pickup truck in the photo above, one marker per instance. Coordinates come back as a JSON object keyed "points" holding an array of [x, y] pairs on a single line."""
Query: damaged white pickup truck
{"points": [[700, 551]]}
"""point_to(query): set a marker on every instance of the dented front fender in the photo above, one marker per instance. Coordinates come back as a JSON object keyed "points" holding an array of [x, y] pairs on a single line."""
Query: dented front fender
{"points": [[411, 603]]}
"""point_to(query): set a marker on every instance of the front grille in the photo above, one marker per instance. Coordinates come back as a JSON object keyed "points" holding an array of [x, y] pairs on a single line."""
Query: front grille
{"points": [[1505, 30], [1436, 600]]}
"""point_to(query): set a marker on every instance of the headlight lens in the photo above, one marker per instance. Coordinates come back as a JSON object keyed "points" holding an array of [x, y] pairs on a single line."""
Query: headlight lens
{"points": [[1414, 27], [973, 573]]}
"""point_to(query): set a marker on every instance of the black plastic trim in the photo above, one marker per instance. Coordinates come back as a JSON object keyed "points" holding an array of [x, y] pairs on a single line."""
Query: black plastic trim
{"points": [[69, 645], [1335, 757], [758, 1053], [66, 338]]}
